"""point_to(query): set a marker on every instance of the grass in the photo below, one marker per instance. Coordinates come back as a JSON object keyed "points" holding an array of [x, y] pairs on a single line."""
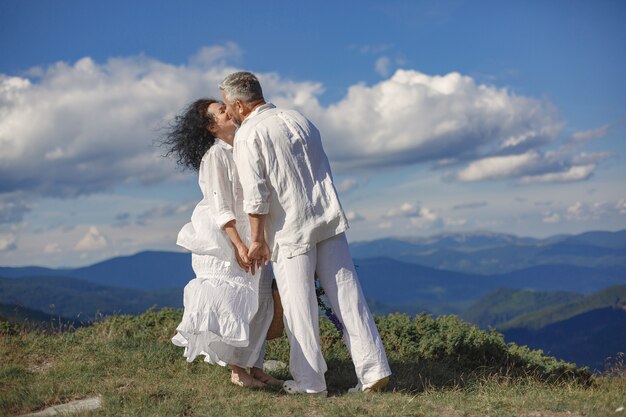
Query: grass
{"points": [[442, 367]]}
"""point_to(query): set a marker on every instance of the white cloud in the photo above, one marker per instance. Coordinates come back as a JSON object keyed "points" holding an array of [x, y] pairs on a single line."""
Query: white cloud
{"points": [[535, 167], [354, 216], [475, 205], [87, 127], [96, 122], [165, 210], [218, 55], [420, 217], [385, 225], [426, 219], [13, 208], [586, 211], [405, 210], [92, 240], [575, 173], [52, 248], [583, 211], [347, 185], [382, 66], [7, 242], [499, 167], [413, 117], [551, 217], [591, 134], [593, 158], [454, 222], [374, 48]]}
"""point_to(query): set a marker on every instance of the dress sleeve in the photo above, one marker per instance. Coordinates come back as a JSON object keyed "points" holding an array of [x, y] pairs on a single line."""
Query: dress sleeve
{"points": [[219, 188], [252, 173]]}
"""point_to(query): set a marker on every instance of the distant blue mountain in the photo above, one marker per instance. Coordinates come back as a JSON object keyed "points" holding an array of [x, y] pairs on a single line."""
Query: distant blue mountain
{"points": [[613, 240], [444, 274], [31, 271], [408, 286], [34, 318], [394, 283], [144, 270], [490, 253], [587, 339], [81, 300], [505, 304]]}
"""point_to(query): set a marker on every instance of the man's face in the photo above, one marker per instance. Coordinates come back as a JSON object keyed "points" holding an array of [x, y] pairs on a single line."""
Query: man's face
{"points": [[222, 121], [233, 110]]}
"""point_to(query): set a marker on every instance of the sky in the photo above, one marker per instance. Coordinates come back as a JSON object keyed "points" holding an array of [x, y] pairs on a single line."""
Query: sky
{"points": [[437, 116]]}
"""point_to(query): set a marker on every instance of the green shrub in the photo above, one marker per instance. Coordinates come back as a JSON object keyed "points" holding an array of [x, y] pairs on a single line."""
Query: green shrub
{"points": [[443, 351]]}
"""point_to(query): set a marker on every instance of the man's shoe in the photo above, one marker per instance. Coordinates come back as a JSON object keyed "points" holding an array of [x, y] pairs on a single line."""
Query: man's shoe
{"points": [[372, 387], [291, 387]]}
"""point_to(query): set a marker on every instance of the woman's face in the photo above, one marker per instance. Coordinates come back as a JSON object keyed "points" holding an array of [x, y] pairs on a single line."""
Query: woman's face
{"points": [[223, 125]]}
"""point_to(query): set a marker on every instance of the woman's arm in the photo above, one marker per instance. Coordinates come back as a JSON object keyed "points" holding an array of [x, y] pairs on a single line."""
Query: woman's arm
{"points": [[241, 251], [219, 182]]}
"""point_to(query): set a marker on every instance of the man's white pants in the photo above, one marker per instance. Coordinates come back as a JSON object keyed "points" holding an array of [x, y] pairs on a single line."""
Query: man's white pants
{"points": [[294, 276]]}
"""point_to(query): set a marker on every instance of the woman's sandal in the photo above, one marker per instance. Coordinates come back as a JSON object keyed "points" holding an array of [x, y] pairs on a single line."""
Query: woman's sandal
{"points": [[253, 383]]}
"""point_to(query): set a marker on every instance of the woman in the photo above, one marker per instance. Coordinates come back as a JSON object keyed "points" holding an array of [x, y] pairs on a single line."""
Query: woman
{"points": [[227, 309]]}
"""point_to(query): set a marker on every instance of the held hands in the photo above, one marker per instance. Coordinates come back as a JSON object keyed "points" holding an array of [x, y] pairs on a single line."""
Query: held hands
{"points": [[241, 254], [258, 255]]}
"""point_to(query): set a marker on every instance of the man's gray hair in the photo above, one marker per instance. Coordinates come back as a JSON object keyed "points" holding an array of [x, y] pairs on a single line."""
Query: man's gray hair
{"points": [[242, 86]]}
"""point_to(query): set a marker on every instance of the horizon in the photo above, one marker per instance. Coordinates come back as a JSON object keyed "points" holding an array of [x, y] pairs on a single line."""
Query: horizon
{"points": [[408, 239], [437, 116]]}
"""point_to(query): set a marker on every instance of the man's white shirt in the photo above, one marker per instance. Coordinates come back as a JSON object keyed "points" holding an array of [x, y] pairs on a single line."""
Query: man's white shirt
{"points": [[285, 174]]}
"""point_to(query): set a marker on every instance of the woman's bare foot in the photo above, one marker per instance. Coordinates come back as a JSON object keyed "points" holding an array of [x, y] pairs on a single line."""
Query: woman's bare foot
{"points": [[241, 378], [257, 373]]}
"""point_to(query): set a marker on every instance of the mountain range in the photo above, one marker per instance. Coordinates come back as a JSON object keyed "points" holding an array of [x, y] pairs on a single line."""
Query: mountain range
{"points": [[522, 286], [491, 253]]}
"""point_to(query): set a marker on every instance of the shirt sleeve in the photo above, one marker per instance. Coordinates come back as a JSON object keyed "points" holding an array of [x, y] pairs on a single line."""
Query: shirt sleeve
{"points": [[219, 188], [252, 173]]}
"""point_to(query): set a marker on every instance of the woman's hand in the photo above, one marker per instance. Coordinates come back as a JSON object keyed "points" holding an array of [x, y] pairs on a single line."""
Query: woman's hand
{"points": [[241, 254], [258, 254], [241, 250]]}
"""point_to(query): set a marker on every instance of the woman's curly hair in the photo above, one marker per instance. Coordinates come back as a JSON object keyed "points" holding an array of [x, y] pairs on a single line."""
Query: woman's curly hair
{"points": [[187, 136]]}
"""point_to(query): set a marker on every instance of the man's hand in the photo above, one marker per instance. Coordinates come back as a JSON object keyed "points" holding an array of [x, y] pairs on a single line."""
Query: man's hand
{"points": [[241, 254], [259, 255]]}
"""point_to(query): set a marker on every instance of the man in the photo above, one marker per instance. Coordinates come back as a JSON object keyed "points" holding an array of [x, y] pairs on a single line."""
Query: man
{"points": [[291, 200]]}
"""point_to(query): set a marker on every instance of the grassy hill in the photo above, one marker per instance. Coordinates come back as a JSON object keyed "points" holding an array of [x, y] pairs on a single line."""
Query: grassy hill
{"points": [[612, 297], [82, 300], [505, 304], [588, 338], [441, 367], [11, 314]]}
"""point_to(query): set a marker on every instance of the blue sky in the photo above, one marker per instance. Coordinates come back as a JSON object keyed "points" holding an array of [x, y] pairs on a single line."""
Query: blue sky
{"points": [[438, 116]]}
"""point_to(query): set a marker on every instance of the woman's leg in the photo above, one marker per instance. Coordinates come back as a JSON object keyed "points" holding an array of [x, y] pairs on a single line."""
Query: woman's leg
{"points": [[240, 377], [266, 307]]}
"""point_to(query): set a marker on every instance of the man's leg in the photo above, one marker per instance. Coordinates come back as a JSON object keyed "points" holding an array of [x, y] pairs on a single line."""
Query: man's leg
{"points": [[339, 279], [294, 277]]}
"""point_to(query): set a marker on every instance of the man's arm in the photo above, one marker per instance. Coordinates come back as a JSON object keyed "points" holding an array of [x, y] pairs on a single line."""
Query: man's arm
{"points": [[251, 167], [259, 251]]}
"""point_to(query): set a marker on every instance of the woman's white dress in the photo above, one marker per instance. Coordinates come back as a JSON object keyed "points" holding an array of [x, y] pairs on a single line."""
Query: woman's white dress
{"points": [[227, 311]]}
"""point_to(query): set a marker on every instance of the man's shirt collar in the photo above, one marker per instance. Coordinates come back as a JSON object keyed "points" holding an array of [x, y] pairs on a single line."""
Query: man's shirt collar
{"points": [[258, 110]]}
